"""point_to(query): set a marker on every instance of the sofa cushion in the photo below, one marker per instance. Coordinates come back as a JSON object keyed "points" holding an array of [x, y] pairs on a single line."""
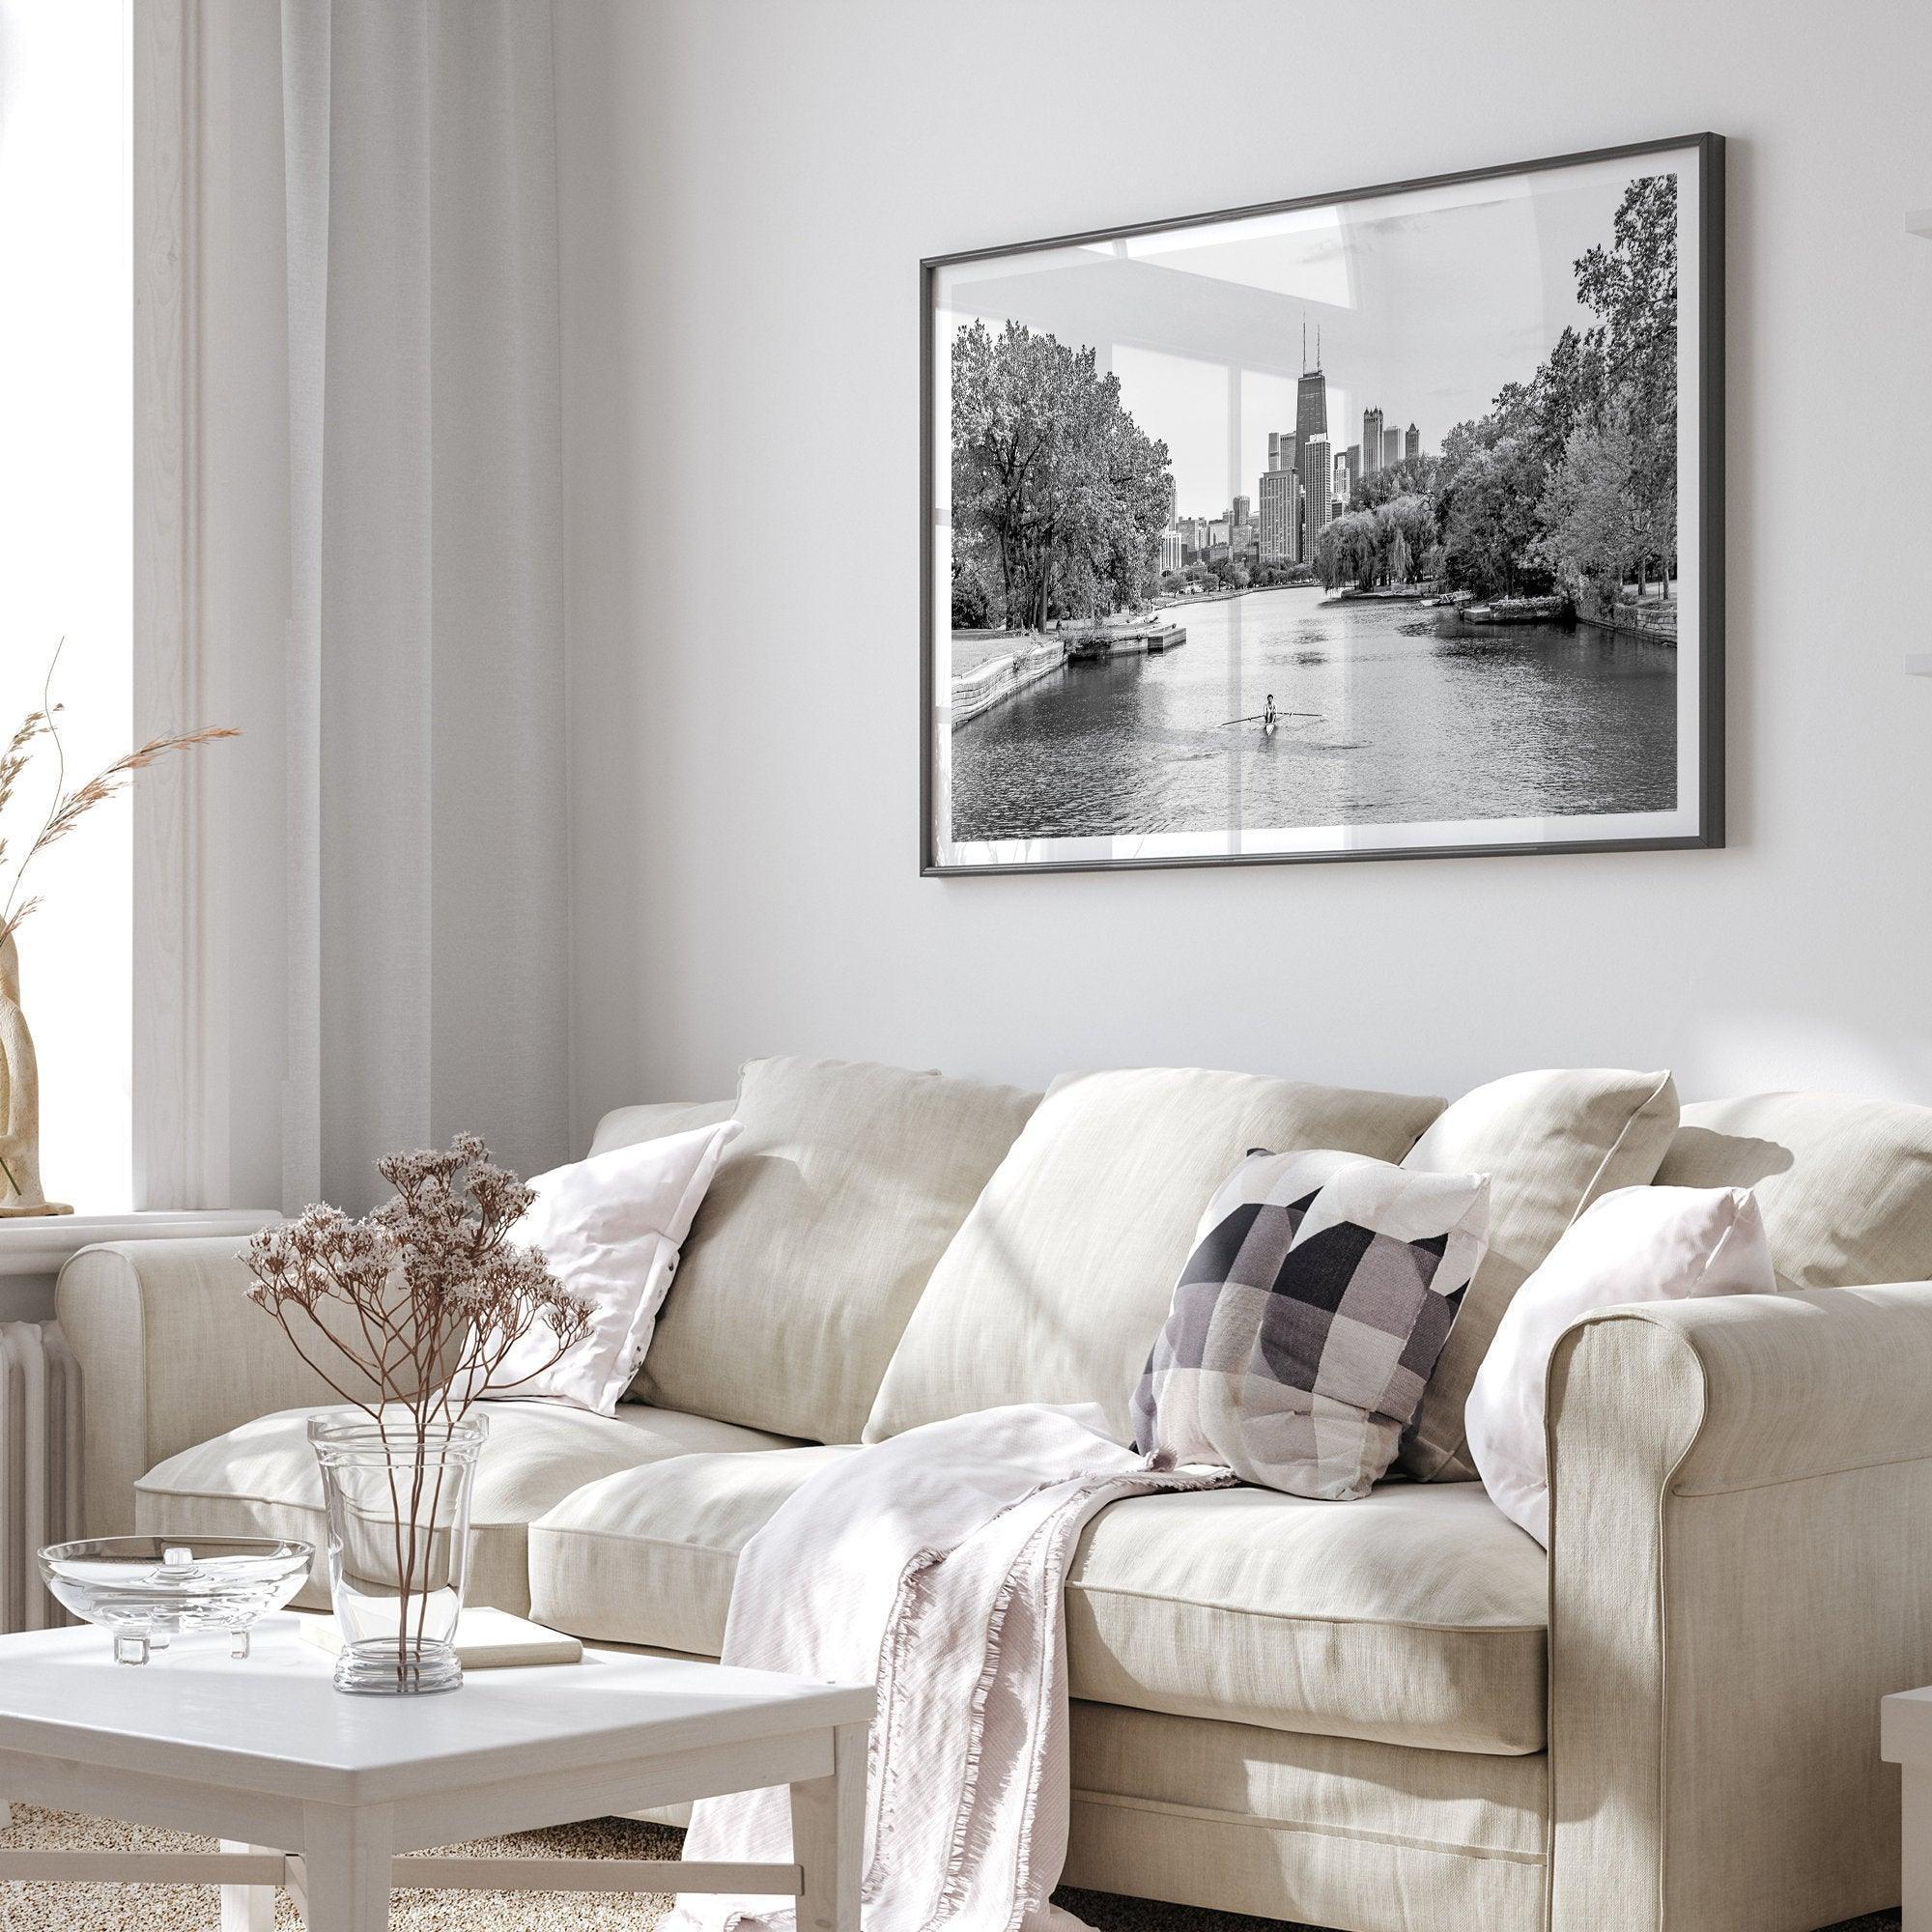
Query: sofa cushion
{"points": [[1414, 1617], [621, 1561], [1305, 1323], [626, 1127], [1060, 1278], [816, 1238], [1844, 1183], [1551, 1143], [261, 1479], [609, 1228], [1638, 1244]]}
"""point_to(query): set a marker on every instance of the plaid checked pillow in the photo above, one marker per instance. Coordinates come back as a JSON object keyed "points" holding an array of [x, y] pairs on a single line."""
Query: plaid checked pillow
{"points": [[1303, 1328]]}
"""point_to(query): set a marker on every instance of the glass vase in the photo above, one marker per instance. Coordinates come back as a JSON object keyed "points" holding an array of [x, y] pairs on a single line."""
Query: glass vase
{"points": [[397, 1493]]}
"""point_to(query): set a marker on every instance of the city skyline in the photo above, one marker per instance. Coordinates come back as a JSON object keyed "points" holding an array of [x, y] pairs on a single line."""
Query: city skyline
{"points": [[1424, 310], [1402, 439], [1273, 525]]}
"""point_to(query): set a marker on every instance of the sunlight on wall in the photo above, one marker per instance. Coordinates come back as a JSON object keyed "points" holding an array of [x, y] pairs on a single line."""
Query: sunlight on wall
{"points": [[66, 482]]}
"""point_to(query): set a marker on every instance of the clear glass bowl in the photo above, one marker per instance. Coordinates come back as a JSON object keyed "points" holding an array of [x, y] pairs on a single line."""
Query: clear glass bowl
{"points": [[145, 1590]]}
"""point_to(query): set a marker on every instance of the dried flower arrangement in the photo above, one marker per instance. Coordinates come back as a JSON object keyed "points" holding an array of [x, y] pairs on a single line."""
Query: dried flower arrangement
{"points": [[423, 1299], [435, 1291], [20, 1080]]}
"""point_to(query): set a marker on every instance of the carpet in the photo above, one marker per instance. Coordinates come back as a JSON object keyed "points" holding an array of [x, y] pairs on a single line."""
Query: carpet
{"points": [[190, 1908]]}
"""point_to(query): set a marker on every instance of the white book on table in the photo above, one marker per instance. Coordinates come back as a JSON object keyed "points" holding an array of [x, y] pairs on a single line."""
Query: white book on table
{"points": [[485, 1640]]}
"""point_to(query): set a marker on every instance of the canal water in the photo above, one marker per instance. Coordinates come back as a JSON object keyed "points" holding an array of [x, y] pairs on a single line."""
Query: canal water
{"points": [[1412, 722]]}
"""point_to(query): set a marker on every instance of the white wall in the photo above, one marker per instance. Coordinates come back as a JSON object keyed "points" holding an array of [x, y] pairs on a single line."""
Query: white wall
{"points": [[746, 186]]}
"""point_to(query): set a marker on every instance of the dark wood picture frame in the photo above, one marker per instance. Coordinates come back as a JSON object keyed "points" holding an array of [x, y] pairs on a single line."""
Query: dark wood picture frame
{"points": [[1709, 511]]}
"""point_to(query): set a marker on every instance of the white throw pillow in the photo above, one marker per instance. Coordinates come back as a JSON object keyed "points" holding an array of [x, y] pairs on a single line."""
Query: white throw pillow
{"points": [[1638, 1244], [610, 1227]]}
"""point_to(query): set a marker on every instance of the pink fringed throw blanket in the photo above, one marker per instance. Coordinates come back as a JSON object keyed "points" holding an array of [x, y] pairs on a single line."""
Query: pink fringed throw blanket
{"points": [[933, 1564]]}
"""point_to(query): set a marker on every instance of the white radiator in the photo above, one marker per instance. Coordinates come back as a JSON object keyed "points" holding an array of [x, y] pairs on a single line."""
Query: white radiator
{"points": [[40, 1465]]}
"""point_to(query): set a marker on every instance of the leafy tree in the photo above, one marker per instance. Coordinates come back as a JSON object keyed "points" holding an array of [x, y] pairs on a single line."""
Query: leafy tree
{"points": [[1413, 476], [1567, 389], [1493, 523], [971, 609], [1464, 443], [1407, 529], [1358, 546], [1052, 479], [1632, 285], [1614, 385], [1350, 550], [1592, 528], [1326, 556]]}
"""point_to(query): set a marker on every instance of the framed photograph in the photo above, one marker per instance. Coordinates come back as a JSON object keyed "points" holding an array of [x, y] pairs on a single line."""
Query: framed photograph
{"points": [[1371, 526]]}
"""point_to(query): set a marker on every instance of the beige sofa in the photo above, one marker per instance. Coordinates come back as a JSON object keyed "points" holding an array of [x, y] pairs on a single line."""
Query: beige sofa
{"points": [[1396, 1715]]}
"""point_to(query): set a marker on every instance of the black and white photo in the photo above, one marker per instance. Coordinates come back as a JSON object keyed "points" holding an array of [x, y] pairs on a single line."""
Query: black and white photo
{"points": [[1380, 524]]}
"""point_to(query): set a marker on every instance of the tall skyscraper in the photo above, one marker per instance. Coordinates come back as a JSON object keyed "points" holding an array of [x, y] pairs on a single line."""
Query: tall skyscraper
{"points": [[1310, 405], [1280, 495], [1280, 498], [1391, 446], [1412, 446], [1311, 433], [1318, 499], [1353, 459], [1372, 440]]}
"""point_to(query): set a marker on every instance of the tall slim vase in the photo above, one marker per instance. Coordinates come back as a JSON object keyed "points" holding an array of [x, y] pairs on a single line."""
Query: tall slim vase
{"points": [[19, 1100], [398, 1494]]}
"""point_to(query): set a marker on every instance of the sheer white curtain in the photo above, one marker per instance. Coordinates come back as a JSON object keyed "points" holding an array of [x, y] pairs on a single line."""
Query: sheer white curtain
{"points": [[426, 907]]}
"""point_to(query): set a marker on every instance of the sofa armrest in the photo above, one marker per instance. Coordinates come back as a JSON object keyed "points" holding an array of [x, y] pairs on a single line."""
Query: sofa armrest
{"points": [[170, 1354], [1741, 1490]]}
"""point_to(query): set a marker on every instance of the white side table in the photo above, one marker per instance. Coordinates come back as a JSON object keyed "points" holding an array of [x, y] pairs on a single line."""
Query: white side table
{"points": [[1905, 1739], [318, 1792]]}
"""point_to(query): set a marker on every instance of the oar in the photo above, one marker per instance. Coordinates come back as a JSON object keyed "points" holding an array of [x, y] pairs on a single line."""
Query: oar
{"points": [[1255, 718]]}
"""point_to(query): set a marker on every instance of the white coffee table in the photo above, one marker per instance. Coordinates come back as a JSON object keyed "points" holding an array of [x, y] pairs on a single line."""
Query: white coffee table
{"points": [[319, 1792], [1905, 1739]]}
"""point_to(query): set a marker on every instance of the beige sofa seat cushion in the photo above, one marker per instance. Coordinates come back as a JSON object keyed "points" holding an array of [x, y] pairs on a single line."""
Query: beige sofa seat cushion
{"points": [[1415, 1616], [261, 1479], [1551, 1143], [1059, 1282], [626, 1127], [817, 1237], [629, 1561], [1844, 1183]]}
